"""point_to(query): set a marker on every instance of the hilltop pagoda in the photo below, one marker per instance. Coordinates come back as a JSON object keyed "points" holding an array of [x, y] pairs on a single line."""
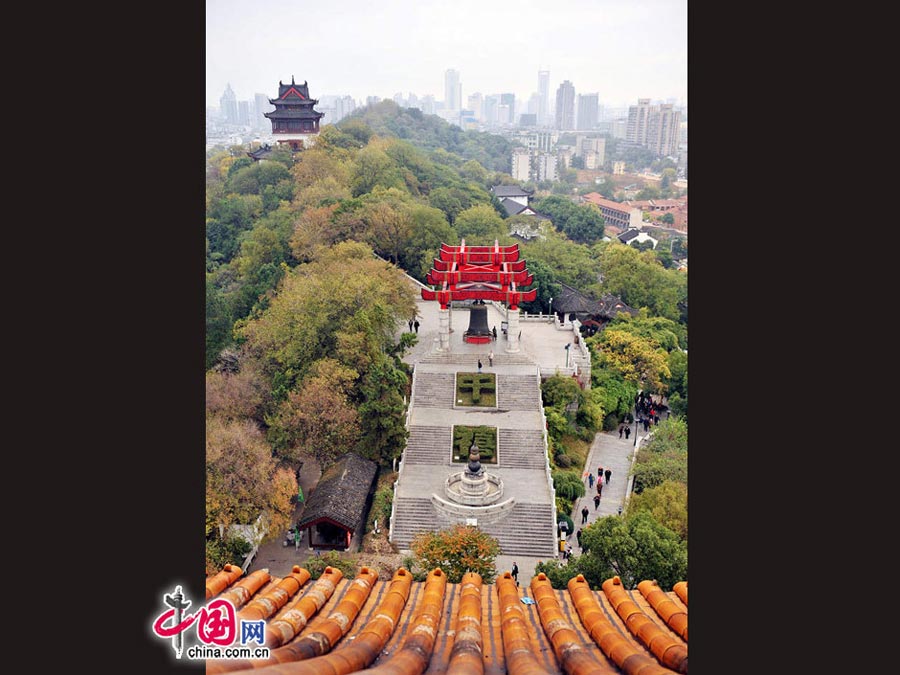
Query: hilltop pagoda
{"points": [[479, 273], [294, 121]]}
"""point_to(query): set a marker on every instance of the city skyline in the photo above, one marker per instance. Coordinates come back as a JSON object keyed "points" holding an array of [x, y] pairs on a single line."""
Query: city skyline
{"points": [[620, 49]]}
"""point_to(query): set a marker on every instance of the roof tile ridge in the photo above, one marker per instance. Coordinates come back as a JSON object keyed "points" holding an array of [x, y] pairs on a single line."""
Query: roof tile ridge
{"points": [[666, 649]]}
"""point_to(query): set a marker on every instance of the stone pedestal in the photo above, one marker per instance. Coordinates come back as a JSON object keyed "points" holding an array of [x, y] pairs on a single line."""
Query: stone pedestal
{"points": [[512, 332], [444, 330]]}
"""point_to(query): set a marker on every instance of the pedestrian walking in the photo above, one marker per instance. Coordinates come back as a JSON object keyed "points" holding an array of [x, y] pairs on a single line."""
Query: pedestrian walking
{"points": [[627, 432], [621, 429], [494, 331], [410, 322], [568, 553], [646, 424], [515, 572], [491, 358], [607, 474], [620, 510], [596, 501], [479, 365], [599, 488], [416, 325], [590, 481], [584, 515], [578, 537], [599, 471]]}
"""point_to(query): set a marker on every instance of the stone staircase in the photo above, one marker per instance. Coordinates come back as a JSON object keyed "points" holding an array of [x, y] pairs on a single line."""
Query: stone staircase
{"points": [[434, 390], [528, 530], [521, 449], [428, 445], [501, 358], [518, 392]]}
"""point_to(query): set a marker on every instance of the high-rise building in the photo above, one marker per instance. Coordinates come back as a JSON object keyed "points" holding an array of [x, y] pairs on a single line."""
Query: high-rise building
{"points": [[638, 120], [509, 100], [244, 113], [261, 107], [491, 105], [476, 105], [521, 164], [565, 106], [428, 106], [228, 105], [588, 109], [452, 90], [663, 131], [654, 126], [543, 111]]}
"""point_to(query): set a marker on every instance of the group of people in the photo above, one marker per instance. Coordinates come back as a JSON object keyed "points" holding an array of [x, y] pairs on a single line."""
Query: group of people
{"points": [[647, 410], [413, 324]]}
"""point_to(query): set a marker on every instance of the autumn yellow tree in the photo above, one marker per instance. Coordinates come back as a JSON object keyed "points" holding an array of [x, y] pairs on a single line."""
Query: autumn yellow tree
{"points": [[638, 359], [243, 481], [457, 550], [346, 291], [318, 419]]}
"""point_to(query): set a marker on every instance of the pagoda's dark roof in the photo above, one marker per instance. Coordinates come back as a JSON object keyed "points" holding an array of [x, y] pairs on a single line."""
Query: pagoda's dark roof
{"points": [[512, 207], [341, 493], [570, 300], [302, 89], [510, 191], [303, 113], [261, 152], [628, 235]]}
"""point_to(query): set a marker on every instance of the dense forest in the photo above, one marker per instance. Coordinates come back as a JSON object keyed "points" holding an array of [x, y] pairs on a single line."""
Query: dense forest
{"points": [[305, 291]]}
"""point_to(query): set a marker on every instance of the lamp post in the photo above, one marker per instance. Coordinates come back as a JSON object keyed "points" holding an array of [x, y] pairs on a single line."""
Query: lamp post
{"points": [[550, 311], [567, 347]]}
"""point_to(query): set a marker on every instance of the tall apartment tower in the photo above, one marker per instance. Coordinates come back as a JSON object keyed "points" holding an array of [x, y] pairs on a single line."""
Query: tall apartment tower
{"points": [[588, 109], [638, 120], [228, 105], [565, 106], [262, 106], [663, 130], [654, 126], [452, 90], [543, 111], [510, 101]]}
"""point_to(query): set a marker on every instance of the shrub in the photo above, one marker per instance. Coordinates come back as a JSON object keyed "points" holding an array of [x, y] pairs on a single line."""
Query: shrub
{"points": [[381, 508], [317, 564], [568, 484], [563, 460], [221, 552]]}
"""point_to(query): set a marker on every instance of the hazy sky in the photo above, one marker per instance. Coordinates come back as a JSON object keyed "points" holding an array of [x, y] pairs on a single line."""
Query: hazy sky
{"points": [[621, 49]]}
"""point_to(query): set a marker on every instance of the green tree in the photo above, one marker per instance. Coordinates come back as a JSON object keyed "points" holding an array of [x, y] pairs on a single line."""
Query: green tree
{"points": [[218, 322], [667, 503], [668, 218], [480, 225], [345, 304], [559, 392], [568, 484], [383, 411], [634, 549], [457, 550]]}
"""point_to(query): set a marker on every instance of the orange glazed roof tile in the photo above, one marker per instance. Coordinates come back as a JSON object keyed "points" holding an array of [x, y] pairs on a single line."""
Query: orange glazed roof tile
{"points": [[406, 627]]}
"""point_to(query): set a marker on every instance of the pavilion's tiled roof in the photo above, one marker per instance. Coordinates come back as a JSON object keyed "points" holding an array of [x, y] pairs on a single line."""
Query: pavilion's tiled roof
{"points": [[341, 625], [341, 493]]}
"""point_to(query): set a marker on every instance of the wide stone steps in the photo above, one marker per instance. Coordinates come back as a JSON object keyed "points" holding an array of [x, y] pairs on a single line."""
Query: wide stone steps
{"points": [[521, 449], [518, 392], [428, 445], [528, 529], [434, 390], [501, 358]]}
